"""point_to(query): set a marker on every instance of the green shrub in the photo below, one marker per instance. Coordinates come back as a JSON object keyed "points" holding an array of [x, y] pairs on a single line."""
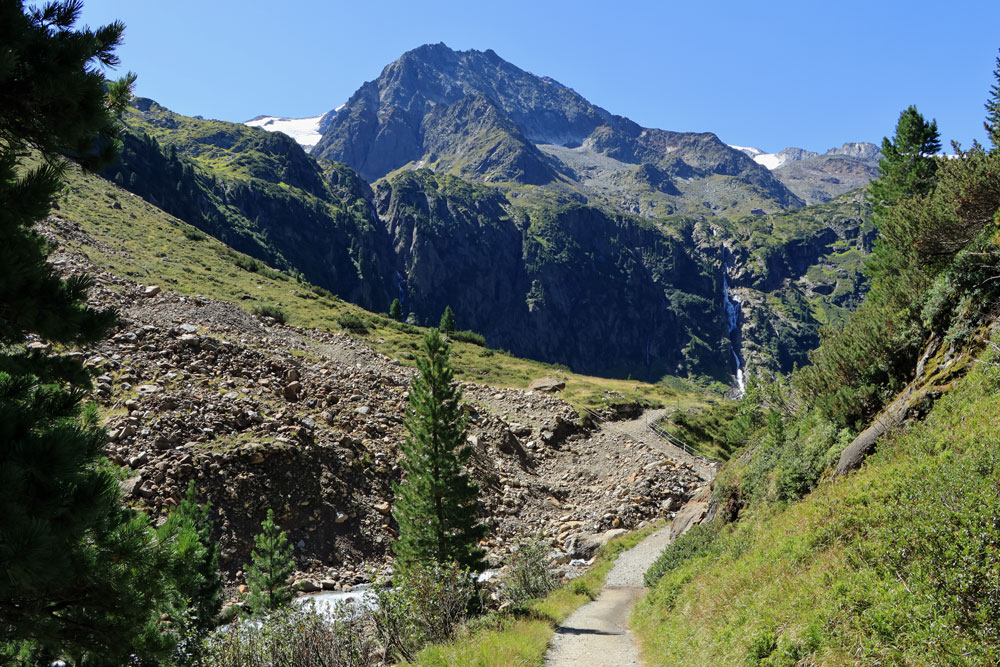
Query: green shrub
{"points": [[321, 291], [271, 273], [193, 234], [353, 323], [427, 604], [296, 635], [248, 263], [275, 313], [469, 336], [529, 576], [696, 542]]}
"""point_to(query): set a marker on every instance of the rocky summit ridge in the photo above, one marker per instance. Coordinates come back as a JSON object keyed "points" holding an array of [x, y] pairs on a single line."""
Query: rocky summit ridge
{"points": [[473, 114], [820, 177]]}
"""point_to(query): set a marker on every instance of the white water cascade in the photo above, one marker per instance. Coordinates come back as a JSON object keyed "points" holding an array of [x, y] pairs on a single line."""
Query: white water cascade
{"points": [[733, 314]]}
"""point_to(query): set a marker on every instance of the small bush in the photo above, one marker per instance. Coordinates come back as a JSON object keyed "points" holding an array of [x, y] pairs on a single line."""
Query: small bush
{"points": [[469, 337], [353, 323], [271, 273], [248, 263], [297, 635], [192, 234], [428, 604], [275, 313], [322, 291], [530, 576], [691, 544]]}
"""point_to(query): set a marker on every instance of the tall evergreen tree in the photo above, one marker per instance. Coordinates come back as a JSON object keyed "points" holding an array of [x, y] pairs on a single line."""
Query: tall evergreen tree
{"points": [[908, 169], [908, 165], [436, 502], [992, 123], [79, 573], [396, 310], [270, 570], [447, 324]]}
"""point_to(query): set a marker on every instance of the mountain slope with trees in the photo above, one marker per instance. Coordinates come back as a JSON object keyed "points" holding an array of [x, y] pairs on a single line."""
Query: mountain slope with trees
{"points": [[856, 519]]}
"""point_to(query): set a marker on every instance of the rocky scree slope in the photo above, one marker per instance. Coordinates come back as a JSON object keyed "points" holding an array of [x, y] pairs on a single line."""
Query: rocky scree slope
{"points": [[309, 423]]}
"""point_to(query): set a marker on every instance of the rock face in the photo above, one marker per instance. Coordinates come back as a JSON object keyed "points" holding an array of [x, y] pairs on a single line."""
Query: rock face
{"points": [[473, 114], [601, 294]]}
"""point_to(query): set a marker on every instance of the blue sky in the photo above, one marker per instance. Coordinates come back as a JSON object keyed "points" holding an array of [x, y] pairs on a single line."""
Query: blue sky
{"points": [[766, 74]]}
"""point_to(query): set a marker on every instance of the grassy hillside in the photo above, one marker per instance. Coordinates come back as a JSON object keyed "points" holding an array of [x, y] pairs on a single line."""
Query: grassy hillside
{"points": [[810, 562], [894, 565], [134, 239]]}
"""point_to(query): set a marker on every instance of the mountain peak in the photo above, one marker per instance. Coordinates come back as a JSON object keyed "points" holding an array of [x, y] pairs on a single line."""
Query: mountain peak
{"points": [[533, 131]]}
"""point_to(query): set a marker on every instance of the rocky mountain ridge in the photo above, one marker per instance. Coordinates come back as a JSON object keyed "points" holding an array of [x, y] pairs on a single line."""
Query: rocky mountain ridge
{"points": [[589, 287], [475, 115], [820, 177]]}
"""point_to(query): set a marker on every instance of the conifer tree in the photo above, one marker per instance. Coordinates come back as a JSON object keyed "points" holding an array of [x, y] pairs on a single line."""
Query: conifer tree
{"points": [[908, 168], [908, 165], [81, 577], [447, 324], [992, 123], [396, 310], [270, 570], [436, 502], [193, 561]]}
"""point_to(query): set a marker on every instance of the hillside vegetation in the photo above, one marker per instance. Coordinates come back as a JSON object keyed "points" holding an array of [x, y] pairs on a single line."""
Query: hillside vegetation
{"points": [[809, 562], [137, 240]]}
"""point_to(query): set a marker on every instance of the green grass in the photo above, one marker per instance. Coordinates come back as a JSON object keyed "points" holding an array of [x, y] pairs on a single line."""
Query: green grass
{"points": [[522, 638], [893, 565], [141, 242]]}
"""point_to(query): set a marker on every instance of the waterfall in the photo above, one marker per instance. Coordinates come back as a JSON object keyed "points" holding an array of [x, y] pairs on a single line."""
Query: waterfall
{"points": [[733, 314], [401, 287]]}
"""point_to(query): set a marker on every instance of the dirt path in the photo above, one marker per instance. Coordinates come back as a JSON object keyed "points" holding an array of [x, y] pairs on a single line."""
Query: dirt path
{"points": [[637, 430], [597, 634]]}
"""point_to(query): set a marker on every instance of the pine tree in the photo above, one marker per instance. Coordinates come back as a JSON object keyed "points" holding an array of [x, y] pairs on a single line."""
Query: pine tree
{"points": [[396, 310], [81, 576], [436, 502], [908, 169], [908, 165], [193, 562], [992, 123], [270, 570], [447, 324]]}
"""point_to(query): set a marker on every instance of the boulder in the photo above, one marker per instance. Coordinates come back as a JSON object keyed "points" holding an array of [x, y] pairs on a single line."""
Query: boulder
{"points": [[548, 384]]}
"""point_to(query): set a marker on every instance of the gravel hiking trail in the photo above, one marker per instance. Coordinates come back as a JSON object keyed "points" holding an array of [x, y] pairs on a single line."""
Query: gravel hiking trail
{"points": [[597, 634]]}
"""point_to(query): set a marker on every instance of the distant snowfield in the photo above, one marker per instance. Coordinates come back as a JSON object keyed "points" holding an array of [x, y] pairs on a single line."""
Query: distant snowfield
{"points": [[768, 160], [305, 131]]}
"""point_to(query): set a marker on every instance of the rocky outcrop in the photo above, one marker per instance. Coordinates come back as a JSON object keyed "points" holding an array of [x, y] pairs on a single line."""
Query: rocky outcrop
{"points": [[819, 178], [601, 294]]}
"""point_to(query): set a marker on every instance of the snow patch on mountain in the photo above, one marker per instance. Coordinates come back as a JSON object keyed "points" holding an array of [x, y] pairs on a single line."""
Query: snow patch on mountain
{"points": [[769, 160], [862, 151], [304, 130]]}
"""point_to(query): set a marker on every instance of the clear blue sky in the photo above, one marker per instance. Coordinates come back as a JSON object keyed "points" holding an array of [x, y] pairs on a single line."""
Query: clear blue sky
{"points": [[759, 73]]}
